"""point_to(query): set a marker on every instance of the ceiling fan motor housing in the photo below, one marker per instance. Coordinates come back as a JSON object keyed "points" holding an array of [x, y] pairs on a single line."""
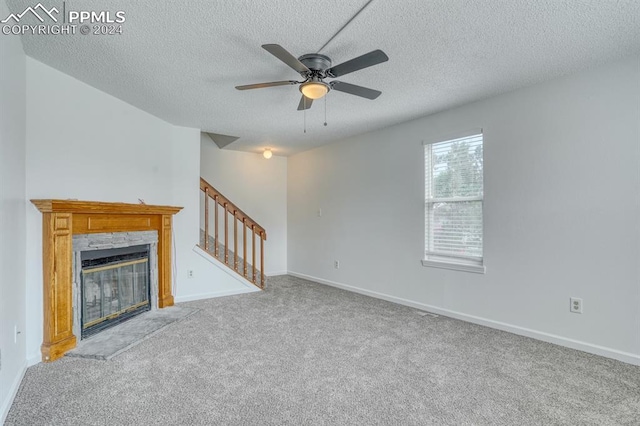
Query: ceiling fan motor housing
{"points": [[314, 87], [316, 62]]}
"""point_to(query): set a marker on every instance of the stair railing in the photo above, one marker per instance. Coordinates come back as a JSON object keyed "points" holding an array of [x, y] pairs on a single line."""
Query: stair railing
{"points": [[248, 225]]}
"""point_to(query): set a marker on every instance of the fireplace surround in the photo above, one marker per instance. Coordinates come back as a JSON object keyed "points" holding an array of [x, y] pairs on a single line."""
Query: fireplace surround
{"points": [[62, 221]]}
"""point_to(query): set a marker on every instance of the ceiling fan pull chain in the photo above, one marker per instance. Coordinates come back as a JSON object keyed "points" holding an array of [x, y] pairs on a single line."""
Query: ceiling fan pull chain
{"points": [[325, 111], [305, 113]]}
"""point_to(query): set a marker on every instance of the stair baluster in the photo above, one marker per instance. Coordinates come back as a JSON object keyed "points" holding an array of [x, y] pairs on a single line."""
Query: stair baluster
{"points": [[261, 261], [253, 254], [206, 218], [235, 241], [226, 234], [244, 246], [216, 250]]}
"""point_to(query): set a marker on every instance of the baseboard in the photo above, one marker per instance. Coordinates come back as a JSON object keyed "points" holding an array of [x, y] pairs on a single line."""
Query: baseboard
{"points": [[522, 331], [201, 296], [13, 390], [33, 360], [276, 273]]}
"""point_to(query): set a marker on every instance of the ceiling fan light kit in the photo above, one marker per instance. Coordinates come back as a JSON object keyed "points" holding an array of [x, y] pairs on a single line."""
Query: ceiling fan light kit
{"points": [[314, 89], [314, 68]]}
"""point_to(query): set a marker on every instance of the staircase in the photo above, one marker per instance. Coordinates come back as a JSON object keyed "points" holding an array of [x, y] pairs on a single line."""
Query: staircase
{"points": [[218, 231]]}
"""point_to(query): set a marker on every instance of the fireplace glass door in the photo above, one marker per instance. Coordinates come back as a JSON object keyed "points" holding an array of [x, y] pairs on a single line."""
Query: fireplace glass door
{"points": [[114, 288]]}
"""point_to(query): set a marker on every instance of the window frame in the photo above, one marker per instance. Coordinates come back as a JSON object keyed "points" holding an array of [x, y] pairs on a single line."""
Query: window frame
{"points": [[446, 261]]}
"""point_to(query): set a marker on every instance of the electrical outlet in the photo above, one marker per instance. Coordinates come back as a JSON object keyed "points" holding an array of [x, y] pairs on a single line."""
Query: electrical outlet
{"points": [[576, 305], [190, 273], [336, 264], [319, 212]]}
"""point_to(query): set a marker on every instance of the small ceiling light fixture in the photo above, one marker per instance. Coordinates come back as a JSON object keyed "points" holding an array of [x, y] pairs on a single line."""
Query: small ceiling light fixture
{"points": [[314, 89], [267, 153]]}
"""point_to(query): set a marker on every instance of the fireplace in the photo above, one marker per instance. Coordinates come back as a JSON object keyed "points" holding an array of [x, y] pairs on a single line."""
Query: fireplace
{"points": [[70, 227], [115, 277], [114, 286]]}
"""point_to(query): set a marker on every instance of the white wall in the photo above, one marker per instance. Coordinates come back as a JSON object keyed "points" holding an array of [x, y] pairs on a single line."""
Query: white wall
{"points": [[208, 280], [258, 187], [562, 212], [85, 144], [12, 214]]}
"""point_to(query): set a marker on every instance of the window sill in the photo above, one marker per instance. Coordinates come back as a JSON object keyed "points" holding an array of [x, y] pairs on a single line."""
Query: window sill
{"points": [[456, 266]]}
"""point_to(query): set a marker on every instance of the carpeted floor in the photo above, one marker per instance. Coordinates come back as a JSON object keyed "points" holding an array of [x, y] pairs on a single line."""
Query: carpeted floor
{"points": [[302, 353]]}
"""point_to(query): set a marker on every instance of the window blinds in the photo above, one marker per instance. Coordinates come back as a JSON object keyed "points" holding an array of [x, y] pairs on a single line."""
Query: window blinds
{"points": [[453, 199]]}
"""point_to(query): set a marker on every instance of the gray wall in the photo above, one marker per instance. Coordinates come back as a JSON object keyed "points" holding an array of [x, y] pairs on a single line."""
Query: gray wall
{"points": [[561, 212]]}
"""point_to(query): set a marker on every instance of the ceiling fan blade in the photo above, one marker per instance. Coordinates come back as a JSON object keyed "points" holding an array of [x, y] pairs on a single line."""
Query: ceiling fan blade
{"points": [[270, 84], [352, 89], [355, 64], [286, 57], [305, 103]]}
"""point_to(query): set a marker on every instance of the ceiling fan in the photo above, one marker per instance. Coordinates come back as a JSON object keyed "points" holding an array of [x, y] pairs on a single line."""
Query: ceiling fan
{"points": [[315, 68]]}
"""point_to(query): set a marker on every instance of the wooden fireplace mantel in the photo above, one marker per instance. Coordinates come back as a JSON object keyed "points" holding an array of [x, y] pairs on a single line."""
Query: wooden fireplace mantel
{"points": [[61, 219]]}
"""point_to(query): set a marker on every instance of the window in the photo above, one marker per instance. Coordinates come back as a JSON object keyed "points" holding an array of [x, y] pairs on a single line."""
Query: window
{"points": [[453, 203]]}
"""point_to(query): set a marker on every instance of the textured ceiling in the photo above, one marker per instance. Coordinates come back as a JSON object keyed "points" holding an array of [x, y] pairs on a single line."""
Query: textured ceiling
{"points": [[181, 60]]}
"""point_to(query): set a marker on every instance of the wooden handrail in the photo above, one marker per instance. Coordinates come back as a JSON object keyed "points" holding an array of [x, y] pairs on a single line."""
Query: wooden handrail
{"points": [[232, 208], [247, 223]]}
